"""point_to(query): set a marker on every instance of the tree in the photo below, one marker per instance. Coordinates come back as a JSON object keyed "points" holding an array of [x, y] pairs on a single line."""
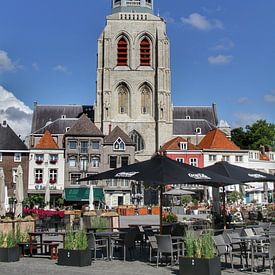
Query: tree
{"points": [[260, 133], [186, 199], [234, 196]]}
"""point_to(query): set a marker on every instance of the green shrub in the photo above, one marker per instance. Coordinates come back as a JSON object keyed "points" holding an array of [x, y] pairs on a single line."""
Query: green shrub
{"points": [[189, 243], [100, 223], [7, 240], [186, 199], [208, 246], [76, 240]]}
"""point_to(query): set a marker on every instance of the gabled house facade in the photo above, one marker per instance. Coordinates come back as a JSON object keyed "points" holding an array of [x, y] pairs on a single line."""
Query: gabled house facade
{"points": [[46, 165], [13, 152]]}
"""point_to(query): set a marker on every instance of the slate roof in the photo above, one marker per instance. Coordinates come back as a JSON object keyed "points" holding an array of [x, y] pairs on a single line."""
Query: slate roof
{"points": [[174, 144], [216, 139], [188, 126], [84, 127], [58, 126], [45, 113], [115, 134], [9, 140], [200, 112], [46, 142]]}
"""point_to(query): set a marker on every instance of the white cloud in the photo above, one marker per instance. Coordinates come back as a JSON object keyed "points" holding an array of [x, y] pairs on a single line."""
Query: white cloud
{"points": [[35, 66], [220, 59], [223, 45], [61, 69], [6, 64], [15, 112], [243, 100], [200, 22], [270, 98], [243, 119]]}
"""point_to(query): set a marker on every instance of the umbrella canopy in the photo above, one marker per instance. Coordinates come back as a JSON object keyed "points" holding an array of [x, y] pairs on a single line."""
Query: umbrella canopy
{"points": [[178, 192], [47, 196], [239, 173], [161, 170], [2, 193], [91, 198], [19, 192]]}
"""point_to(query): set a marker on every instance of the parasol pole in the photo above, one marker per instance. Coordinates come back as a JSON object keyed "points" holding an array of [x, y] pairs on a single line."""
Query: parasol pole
{"points": [[160, 209], [224, 211]]}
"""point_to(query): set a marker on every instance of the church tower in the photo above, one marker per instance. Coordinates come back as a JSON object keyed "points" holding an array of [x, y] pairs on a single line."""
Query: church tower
{"points": [[133, 76]]}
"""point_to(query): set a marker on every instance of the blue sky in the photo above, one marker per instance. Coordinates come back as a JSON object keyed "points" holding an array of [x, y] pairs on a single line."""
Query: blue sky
{"points": [[221, 51]]}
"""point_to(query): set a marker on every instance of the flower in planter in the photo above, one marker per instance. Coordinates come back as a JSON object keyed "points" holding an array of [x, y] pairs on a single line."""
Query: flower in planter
{"points": [[38, 181], [53, 161], [52, 181], [169, 217], [38, 161]]}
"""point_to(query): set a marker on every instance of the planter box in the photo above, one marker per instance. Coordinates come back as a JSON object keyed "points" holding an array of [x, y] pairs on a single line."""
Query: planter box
{"points": [[142, 211], [155, 210], [9, 254], [130, 212], [196, 266], [74, 257]]}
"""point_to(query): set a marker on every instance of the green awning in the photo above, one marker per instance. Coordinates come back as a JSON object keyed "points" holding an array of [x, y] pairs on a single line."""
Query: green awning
{"points": [[82, 194]]}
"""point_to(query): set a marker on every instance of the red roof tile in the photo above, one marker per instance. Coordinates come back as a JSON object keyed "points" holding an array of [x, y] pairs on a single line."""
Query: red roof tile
{"points": [[174, 144], [216, 139], [47, 142]]}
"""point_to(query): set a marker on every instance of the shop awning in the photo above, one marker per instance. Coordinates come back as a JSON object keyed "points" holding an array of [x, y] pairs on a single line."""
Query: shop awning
{"points": [[82, 194]]}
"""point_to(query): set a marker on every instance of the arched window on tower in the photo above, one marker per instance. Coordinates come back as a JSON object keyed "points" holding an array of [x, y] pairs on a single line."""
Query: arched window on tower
{"points": [[138, 140], [146, 100], [145, 52], [122, 52], [123, 99]]}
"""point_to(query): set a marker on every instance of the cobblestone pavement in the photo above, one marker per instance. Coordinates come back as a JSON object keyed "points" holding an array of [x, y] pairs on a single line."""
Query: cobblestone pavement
{"points": [[42, 266]]}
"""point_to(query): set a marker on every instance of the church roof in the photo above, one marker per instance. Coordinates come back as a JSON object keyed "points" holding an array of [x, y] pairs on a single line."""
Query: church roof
{"points": [[84, 127], [46, 142], [9, 139], [216, 139], [189, 126], [174, 144], [43, 114], [115, 134]]}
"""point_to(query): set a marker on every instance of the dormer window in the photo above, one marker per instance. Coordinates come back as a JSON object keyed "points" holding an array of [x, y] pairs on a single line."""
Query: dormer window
{"points": [[187, 117], [119, 145], [67, 129], [183, 146], [198, 131], [63, 116]]}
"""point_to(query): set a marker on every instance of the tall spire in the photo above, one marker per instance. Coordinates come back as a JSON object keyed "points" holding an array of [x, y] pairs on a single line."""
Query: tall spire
{"points": [[140, 6]]}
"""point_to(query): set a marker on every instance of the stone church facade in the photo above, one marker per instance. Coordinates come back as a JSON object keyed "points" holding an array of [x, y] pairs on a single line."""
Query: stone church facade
{"points": [[133, 76]]}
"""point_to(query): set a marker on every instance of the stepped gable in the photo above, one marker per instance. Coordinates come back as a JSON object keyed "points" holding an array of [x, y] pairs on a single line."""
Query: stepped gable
{"points": [[174, 144], [84, 127], [216, 139], [115, 134], [189, 126], [46, 142], [44, 114], [9, 139]]}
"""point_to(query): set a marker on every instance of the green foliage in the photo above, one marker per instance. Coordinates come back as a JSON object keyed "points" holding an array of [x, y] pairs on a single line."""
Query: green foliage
{"points": [[76, 240], [234, 196], [33, 200], [199, 247], [21, 237], [7, 240], [185, 199], [169, 217], [260, 133], [100, 223], [60, 203]]}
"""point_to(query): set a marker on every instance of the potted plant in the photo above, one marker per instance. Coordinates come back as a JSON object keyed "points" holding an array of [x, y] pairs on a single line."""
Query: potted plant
{"points": [[9, 250], [75, 251], [200, 256]]}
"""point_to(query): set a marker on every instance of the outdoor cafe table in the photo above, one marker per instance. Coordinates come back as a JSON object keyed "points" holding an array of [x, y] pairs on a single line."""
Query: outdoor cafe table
{"points": [[109, 236], [253, 242], [40, 235]]}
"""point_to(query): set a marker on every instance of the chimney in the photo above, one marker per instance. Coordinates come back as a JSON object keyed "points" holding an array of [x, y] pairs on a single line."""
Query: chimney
{"points": [[110, 128], [4, 123]]}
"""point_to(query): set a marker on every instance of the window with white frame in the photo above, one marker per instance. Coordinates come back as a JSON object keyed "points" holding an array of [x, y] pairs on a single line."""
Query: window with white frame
{"points": [[74, 178], [1, 156], [14, 175], [84, 147], [119, 145], [72, 161], [95, 160], [181, 160], [226, 158], [53, 175], [38, 174], [39, 158], [193, 162], [198, 131], [17, 157], [212, 157], [238, 158], [95, 144], [72, 144], [83, 163], [183, 146]]}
